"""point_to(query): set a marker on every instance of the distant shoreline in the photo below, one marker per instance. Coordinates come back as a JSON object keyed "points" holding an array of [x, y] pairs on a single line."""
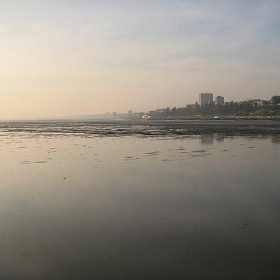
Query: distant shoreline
{"points": [[170, 119]]}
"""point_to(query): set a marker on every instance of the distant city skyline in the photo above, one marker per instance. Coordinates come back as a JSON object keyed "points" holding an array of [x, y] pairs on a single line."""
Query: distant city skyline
{"points": [[89, 57]]}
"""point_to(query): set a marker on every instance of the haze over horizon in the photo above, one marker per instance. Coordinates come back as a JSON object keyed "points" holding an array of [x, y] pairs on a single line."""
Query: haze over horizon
{"points": [[88, 57]]}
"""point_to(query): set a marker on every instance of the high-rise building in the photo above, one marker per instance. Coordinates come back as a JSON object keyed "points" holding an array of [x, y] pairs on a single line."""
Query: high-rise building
{"points": [[205, 98], [219, 100]]}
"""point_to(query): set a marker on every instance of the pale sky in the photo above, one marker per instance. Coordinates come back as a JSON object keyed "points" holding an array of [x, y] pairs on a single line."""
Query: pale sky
{"points": [[71, 57]]}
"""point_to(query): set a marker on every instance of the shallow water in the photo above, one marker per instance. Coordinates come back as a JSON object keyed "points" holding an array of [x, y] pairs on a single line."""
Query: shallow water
{"points": [[193, 207]]}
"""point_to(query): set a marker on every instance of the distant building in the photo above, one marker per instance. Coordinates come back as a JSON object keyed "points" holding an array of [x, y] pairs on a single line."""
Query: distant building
{"points": [[129, 114], [219, 100], [205, 98]]}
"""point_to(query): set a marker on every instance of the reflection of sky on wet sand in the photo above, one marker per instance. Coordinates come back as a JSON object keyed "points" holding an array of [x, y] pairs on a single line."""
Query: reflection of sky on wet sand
{"points": [[139, 208]]}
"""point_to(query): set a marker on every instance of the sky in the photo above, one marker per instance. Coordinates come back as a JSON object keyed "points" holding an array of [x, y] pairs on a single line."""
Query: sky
{"points": [[70, 57]]}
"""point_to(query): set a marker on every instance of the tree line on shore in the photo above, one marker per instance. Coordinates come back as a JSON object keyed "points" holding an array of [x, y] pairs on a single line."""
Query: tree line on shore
{"points": [[254, 107]]}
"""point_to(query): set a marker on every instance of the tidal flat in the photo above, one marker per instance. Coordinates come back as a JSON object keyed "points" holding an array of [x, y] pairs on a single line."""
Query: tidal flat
{"points": [[76, 205]]}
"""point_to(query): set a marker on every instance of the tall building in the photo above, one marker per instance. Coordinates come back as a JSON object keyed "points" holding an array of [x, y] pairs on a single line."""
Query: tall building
{"points": [[205, 98], [219, 100]]}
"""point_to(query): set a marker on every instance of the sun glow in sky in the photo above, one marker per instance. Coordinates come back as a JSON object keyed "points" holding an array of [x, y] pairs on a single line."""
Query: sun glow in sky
{"points": [[72, 57]]}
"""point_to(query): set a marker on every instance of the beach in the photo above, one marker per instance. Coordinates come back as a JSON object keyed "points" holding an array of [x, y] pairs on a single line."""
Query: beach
{"points": [[83, 200]]}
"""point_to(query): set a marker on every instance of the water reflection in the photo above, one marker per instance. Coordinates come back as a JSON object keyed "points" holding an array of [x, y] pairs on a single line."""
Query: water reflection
{"points": [[275, 140], [139, 208], [207, 139], [220, 137]]}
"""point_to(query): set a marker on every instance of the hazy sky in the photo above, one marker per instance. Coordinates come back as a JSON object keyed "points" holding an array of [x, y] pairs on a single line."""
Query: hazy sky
{"points": [[68, 57]]}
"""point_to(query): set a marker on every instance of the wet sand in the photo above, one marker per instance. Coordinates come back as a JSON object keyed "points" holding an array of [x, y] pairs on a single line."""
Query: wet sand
{"points": [[145, 128], [80, 205]]}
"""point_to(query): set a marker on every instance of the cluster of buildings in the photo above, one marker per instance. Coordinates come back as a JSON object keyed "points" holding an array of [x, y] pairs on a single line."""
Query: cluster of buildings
{"points": [[207, 98]]}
